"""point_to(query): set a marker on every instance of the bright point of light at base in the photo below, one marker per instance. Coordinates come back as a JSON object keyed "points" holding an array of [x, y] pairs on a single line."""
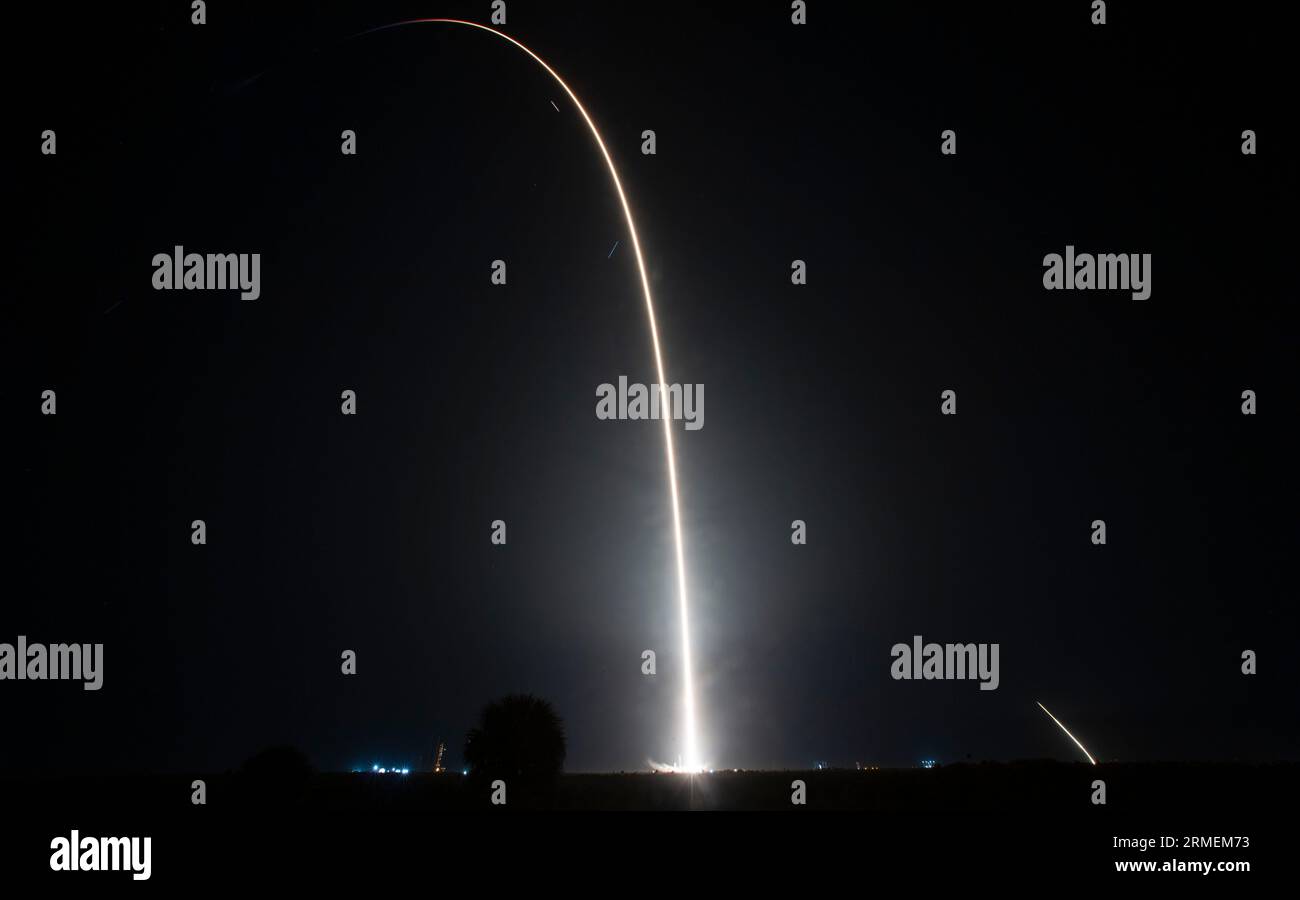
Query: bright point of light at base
{"points": [[677, 769]]}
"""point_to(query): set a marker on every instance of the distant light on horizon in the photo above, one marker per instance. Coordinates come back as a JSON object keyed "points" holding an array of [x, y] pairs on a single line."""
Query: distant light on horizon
{"points": [[386, 770]]}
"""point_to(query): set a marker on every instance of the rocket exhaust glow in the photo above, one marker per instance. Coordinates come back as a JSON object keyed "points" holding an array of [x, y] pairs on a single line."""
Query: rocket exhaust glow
{"points": [[691, 761], [1067, 733]]}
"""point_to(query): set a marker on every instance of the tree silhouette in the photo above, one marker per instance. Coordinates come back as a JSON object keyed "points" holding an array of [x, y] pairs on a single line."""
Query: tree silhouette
{"points": [[519, 738]]}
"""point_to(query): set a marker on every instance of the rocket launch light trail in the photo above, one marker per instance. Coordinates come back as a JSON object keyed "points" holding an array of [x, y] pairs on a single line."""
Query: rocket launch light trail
{"points": [[1067, 732], [691, 761]]}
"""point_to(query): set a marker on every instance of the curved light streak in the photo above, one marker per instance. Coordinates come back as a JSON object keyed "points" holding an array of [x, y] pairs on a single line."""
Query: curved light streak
{"points": [[1067, 732], [691, 761]]}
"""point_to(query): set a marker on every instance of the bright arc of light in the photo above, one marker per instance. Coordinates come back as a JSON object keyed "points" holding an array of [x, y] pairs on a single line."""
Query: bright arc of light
{"points": [[691, 761], [1067, 733]]}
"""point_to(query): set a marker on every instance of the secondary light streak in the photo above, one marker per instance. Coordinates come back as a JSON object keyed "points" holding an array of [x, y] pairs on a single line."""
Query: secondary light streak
{"points": [[1067, 732], [691, 761]]}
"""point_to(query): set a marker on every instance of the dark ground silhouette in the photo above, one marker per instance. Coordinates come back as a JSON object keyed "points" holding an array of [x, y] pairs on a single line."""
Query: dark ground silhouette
{"points": [[1038, 786]]}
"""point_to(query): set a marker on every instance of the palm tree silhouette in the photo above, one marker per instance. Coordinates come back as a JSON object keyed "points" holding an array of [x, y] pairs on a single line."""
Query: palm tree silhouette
{"points": [[519, 737]]}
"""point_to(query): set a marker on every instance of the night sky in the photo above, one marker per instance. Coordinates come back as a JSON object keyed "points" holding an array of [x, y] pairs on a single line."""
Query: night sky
{"points": [[822, 401]]}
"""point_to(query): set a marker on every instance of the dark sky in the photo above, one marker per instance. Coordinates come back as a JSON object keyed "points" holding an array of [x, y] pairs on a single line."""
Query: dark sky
{"points": [[476, 402]]}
